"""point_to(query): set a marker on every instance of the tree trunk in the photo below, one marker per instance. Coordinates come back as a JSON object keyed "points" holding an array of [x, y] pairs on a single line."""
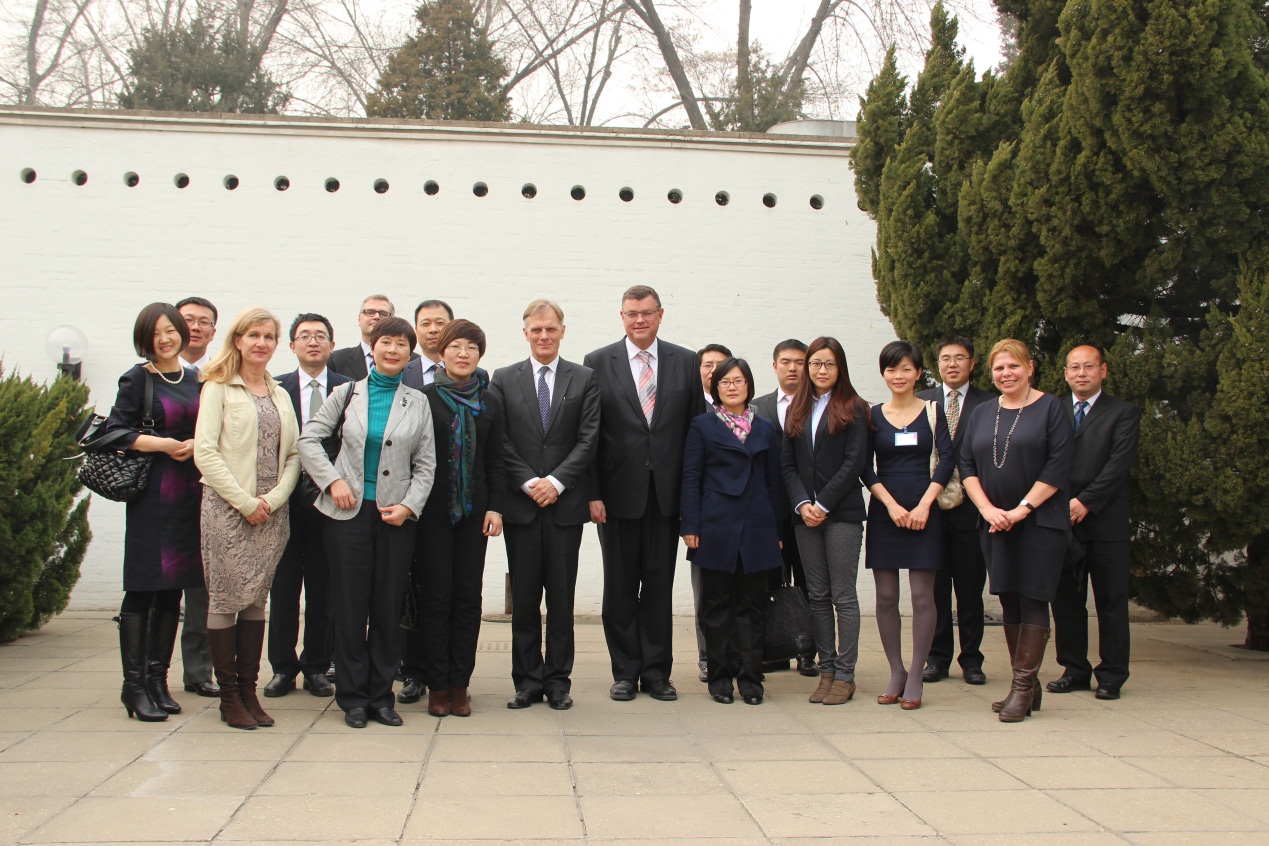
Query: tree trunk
{"points": [[647, 13], [1256, 594], [744, 78]]}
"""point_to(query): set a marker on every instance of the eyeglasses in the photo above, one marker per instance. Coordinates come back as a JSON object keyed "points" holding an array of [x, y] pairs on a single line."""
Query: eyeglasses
{"points": [[306, 338], [459, 347], [709, 365], [375, 312], [821, 365], [647, 314], [1083, 368], [732, 383], [201, 324], [953, 359]]}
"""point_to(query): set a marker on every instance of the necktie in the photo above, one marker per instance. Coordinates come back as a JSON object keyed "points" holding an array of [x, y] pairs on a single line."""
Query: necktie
{"points": [[544, 396], [647, 386], [1080, 408], [314, 398], [370, 362], [953, 411]]}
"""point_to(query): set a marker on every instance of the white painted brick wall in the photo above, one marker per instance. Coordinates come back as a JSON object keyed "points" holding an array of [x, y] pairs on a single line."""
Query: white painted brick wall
{"points": [[743, 274]]}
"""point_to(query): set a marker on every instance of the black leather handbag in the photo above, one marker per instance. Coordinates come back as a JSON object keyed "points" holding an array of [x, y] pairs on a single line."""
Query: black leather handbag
{"points": [[309, 492], [787, 629], [117, 474]]}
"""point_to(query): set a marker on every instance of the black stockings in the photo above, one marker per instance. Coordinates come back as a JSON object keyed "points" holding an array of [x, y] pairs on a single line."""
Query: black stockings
{"points": [[1019, 609]]}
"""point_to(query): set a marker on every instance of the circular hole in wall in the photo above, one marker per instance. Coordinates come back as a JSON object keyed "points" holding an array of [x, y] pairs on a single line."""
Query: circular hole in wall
{"points": [[332, 185], [722, 198], [431, 188], [769, 200], [231, 182], [281, 183], [80, 177], [528, 191], [131, 179], [381, 186], [577, 193], [181, 181], [28, 175], [480, 189], [675, 196], [626, 194], [817, 202]]}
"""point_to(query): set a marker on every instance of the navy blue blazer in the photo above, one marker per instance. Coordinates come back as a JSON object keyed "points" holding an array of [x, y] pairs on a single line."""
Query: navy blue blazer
{"points": [[730, 495]]}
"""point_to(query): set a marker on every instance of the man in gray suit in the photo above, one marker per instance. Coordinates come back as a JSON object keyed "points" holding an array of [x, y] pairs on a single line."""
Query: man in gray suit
{"points": [[552, 425], [965, 572]]}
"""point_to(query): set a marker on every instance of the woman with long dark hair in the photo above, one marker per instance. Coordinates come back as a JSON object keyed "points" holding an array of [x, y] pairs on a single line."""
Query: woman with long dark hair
{"points": [[822, 458]]}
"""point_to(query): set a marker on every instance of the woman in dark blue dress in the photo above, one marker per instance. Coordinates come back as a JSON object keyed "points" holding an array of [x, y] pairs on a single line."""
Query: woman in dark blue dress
{"points": [[161, 556], [905, 531]]}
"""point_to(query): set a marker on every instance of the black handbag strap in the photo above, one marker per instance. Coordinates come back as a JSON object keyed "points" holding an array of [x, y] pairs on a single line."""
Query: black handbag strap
{"points": [[147, 410], [106, 441]]}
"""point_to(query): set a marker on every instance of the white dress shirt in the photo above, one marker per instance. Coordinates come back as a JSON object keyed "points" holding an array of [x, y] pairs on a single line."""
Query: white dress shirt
{"points": [[429, 369], [368, 355], [782, 407], [818, 405], [552, 366], [1075, 401], [960, 392], [306, 391], [201, 364]]}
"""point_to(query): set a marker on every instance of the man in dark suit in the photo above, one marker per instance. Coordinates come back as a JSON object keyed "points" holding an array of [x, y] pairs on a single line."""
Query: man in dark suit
{"points": [[430, 317], [1106, 433], [304, 563], [649, 393], [789, 363], [355, 361], [552, 425], [964, 570]]}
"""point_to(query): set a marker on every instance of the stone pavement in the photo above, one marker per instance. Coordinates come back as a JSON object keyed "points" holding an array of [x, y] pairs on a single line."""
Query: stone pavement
{"points": [[1183, 758]]}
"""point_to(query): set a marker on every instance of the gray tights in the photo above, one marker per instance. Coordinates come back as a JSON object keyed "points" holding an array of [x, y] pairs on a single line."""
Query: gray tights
{"points": [[924, 617]]}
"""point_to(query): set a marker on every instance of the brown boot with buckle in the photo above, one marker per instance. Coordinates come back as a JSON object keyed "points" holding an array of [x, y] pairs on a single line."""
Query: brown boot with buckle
{"points": [[840, 692]]}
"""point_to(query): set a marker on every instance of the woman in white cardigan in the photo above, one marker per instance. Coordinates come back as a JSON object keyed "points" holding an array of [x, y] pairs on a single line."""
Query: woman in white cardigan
{"points": [[245, 447]]}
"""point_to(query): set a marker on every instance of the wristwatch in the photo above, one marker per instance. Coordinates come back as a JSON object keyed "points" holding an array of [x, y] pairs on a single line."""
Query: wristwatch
{"points": [[1029, 506]]}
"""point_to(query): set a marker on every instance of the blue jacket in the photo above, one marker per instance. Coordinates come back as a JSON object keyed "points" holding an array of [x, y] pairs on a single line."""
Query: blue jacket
{"points": [[731, 492]]}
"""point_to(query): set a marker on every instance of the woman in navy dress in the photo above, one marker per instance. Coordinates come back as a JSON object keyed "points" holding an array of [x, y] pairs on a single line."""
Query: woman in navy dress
{"points": [[731, 491], [905, 529], [161, 555], [1019, 450]]}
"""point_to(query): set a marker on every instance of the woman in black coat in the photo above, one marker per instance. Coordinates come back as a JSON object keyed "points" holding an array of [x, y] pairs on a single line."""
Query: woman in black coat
{"points": [[731, 490]]}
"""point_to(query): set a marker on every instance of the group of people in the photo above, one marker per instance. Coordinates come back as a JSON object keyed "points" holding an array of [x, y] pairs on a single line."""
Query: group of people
{"points": [[372, 477]]}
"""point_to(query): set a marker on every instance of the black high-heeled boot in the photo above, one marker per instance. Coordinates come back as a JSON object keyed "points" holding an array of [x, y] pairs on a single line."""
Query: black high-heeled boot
{"points": [[162, 640], [132, 654]]}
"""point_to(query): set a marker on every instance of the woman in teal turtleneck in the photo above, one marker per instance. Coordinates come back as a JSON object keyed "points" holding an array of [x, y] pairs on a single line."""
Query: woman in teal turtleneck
{"points": [[373, 491]]}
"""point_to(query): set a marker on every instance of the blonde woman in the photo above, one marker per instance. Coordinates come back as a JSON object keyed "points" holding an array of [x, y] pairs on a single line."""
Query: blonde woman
{"points": [[245, 447]]}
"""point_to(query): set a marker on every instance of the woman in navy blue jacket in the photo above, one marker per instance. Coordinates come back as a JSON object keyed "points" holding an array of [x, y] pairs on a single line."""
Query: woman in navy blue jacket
{"points": [[731, 490]]}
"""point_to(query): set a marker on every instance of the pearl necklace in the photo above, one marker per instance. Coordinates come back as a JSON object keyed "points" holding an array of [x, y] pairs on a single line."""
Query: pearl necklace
{"points": [[175, 381], [995, 433]]}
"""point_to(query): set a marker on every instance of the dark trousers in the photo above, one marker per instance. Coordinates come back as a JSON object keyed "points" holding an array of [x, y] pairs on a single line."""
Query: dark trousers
{"points": [[304, 565], [639, 557], [195, 655], [542, 557], [449, 570], [369, 570], [966, 573], [732, 610], [1107, 564]]}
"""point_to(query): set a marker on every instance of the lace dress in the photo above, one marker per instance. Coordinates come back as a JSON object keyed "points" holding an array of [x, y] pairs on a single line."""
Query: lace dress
{"points": [[239, 559]]}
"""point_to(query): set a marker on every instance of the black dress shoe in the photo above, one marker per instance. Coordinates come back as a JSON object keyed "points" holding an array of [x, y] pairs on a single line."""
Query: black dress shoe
{"points": [[722, 698], [622, 691], [1106, 691], [355, 718], [280, 685], [523, 699], [203, 688], [775, 666], [1066, 684], [806, 665], [933, 673], [387, 717], [753, 698], [317, 685], [411, 691], [559, 700], [974, 675], [330, 672], [661, 689]]}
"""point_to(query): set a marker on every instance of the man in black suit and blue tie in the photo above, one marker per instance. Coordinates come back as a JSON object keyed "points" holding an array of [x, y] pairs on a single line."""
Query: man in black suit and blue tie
{"points": [[1106, 433], [304, 561], [649, 391], [552, 425]]}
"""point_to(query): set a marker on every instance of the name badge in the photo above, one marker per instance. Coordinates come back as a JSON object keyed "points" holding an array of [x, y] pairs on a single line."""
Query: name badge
{"points": [[905, 439]]}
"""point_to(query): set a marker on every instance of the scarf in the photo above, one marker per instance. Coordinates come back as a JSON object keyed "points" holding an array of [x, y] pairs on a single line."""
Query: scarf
{"points": [[465, 401], [740, 424]]}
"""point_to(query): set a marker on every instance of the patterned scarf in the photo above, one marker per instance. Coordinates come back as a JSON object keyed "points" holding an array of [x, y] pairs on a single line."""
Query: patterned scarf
{"points": [[740, 424], [465, 401]]}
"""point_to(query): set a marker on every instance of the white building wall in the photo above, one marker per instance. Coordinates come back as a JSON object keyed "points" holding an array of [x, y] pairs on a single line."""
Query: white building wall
{"points": [[741, 274]]}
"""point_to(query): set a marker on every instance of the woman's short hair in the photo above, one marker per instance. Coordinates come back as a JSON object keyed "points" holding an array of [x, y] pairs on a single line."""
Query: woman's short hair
{"points": [[1013, 347], [147, 324], [463, 330], [893, 354], [720, 372], [394, 327], [228, 362]]}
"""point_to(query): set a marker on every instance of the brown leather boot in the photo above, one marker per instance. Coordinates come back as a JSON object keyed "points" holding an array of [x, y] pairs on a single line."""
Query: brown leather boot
{"points": [[1028, 655], [438, 703], [840, 692], [250, 645], [223, 646], [459, 702], [1011, 641], [821, 690]]}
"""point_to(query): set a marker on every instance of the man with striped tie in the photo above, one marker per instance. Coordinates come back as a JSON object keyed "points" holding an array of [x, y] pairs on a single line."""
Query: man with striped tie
{"points": [[649, 392]]}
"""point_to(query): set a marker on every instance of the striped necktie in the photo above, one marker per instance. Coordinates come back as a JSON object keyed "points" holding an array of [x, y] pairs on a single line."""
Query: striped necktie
{"points": [[1080, 408], [647, 385], [544, 396]]}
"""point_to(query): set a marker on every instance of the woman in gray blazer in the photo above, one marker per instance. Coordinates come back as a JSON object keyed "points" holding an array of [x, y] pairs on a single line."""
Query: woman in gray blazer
{"points": [[373, 493]]}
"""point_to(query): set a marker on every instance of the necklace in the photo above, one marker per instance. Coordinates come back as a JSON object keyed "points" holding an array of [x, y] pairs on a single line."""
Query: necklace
{"points": [[175, 381], [995, 434]]}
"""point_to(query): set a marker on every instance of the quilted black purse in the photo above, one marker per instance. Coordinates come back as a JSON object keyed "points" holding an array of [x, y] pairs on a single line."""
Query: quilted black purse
{"points": [[787, 628], [117, 474]]}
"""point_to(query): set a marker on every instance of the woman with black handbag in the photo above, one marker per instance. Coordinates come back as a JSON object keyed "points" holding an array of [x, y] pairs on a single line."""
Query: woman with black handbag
{"points": [[161, 556]]}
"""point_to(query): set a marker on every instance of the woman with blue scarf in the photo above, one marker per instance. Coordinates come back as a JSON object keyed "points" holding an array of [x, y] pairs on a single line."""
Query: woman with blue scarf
{"points": [[462, 513], [373, 492]]}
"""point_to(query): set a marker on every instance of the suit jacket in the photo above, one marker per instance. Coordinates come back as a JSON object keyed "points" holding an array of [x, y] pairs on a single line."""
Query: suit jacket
{"points": [[1105, 452], [291, 384], [489, 470], [965, 515], [564, 450], [828, 473], [407, 460], [765, 406], [351, 362], [632, 454], [412, 375], [726, 483]]}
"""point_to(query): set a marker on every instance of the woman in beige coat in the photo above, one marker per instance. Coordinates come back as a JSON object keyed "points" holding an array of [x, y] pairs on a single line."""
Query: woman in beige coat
{"points": [[245, 447]]}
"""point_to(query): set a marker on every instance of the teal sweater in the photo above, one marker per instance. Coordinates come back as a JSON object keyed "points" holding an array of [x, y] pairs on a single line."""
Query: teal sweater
{"points": [[382, 390]]}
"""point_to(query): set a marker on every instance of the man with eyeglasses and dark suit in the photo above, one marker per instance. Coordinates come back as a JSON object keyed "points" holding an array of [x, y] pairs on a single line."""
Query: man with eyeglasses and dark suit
{"points": [[354, 362]]}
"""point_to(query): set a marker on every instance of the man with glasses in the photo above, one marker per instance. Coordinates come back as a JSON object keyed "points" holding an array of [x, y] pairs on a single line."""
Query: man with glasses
{"points": [[965, 571], [200, 316], [304, 563], [649, 392], [355, 362]]}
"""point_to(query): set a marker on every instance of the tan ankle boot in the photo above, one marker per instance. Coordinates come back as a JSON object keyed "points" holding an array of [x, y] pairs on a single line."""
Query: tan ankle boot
{"points": [[840, 693], [821, 690]]}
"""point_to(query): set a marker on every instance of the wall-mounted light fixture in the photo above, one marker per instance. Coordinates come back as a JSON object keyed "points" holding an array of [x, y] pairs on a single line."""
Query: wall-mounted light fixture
{"points": [[66, 347]]}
